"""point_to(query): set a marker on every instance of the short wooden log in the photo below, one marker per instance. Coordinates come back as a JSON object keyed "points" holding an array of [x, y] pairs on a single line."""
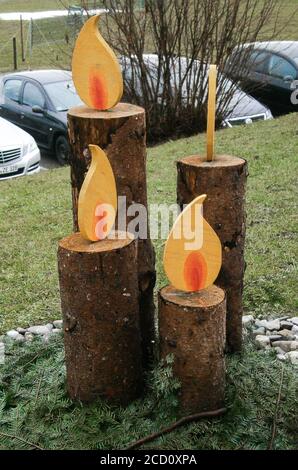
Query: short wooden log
{"points": [[224, 182], [192, 328], [121, 133], [99, 299]]}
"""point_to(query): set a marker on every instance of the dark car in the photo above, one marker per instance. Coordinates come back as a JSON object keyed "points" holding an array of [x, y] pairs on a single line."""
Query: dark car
{"points": [[38, 101], [268, 71], [241, 108]]}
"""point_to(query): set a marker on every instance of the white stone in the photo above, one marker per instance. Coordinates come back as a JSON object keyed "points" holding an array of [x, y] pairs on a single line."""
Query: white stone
{"points": [[2, 353], [281, 357], [56, 331], [13, 334], [261, 323], [259, 331], [293, 356], [294, 320], [46, 337], [39, 329], [262, 341], [49, 326], [247, 320], [273, 325], [287, 346], [278, 350], [29, 336], [58, 323], [294, 330]]}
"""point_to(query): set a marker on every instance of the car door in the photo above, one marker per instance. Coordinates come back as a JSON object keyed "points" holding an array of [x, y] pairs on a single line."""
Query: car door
{"points": [[35, 123], [10, 107], [282, 75]]}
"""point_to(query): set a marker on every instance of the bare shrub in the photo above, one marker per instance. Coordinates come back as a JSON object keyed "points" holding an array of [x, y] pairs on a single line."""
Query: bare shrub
{"points": [[185, 37]]}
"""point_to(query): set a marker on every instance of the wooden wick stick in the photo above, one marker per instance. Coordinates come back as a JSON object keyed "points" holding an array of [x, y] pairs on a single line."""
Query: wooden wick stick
{"points": [[211, 112], [177, 424]]}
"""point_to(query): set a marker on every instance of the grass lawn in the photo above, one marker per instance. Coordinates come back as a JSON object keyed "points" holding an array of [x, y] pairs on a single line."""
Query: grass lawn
{"points": [[33, 5], [35, 212]]}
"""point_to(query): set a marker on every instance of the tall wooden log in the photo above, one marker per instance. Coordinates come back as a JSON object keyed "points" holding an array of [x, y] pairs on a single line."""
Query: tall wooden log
{"points": [[192, 328], [121, 133], [224, 182], [99, 299]]}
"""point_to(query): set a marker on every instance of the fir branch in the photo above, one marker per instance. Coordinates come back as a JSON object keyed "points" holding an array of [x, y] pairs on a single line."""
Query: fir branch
{"points": [[177, 424], [11, 436]]}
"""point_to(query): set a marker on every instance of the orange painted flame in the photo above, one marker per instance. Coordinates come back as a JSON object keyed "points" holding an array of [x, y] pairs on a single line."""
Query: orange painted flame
{"points": [[97, 205], [195, 271], [192, 264], [96, 72]]}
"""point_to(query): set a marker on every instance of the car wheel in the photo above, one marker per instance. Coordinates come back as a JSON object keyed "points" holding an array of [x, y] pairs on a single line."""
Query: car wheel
{"points": [[62, 150]]}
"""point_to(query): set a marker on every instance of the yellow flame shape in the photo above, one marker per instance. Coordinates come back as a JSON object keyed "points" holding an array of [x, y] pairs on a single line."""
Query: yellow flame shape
{"points": [[97, 205], [192, 255], [96, 72]]}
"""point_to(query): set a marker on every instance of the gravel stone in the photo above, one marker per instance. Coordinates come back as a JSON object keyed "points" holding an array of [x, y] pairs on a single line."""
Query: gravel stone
{"points": [[293, 356], [58, 324], [262, 341], [40, 329], [13, 334], [247, 320]]}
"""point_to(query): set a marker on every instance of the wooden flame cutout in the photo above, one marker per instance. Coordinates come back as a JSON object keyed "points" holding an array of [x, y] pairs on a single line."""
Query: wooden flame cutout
{"points": [[192, 264], [95, 69], [98, 198]]}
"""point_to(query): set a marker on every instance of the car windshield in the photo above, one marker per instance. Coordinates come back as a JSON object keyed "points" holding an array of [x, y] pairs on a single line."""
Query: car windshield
{"points": [[63, 95]]}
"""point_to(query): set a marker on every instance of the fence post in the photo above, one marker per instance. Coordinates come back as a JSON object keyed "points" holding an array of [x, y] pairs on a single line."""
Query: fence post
{"points": [[22, 38], [15, 63]]}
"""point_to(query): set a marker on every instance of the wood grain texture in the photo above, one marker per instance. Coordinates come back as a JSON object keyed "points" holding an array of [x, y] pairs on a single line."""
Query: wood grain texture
{"points": [[121, 133], [211, 112], [97, 206], [99, 300], [224, 182], [192, 264], [192, 328], [95, 69]]}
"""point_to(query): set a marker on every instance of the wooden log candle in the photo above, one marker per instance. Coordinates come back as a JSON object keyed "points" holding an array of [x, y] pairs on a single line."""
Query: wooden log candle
{"points": [[120, 132], [192, 328], [223, 180], [99, 299]]}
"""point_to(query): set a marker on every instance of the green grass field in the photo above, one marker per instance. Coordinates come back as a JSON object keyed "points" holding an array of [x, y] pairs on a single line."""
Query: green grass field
{"points": [[32, 5], [35, 212]]}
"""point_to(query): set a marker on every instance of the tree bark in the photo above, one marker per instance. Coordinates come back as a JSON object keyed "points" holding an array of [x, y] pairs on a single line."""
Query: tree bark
{"points": [[99, 300], [121, 133], [224, 182], [192, 328]]}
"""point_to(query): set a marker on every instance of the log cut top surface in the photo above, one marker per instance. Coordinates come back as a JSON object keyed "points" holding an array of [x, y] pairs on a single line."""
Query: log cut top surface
{"points": [[121, 110], [218, 162], [205, 298], [76, 242]]}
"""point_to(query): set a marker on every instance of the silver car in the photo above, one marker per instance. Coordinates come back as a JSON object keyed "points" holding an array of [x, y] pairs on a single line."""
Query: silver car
{"points": [[19, 154]]}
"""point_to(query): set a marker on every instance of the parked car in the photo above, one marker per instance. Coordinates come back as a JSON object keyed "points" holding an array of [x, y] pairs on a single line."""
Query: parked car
{"points": [[267, 70], [19, 154], [242, 108], [38, 101]]}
